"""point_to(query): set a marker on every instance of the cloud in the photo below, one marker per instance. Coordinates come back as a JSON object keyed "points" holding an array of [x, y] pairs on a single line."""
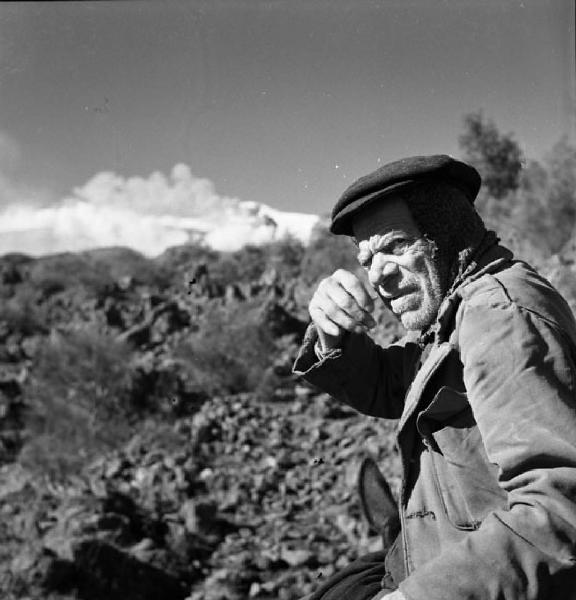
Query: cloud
{"points": [[235, 234], [80, 226], [179, 194], [146, 214]]}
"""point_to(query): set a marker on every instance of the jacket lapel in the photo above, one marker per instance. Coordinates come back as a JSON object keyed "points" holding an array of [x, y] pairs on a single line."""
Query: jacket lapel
{"points": [[428, 368]]}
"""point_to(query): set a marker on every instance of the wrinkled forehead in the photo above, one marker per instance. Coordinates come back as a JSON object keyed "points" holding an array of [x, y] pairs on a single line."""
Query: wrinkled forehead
{"points": [[381, 218]]}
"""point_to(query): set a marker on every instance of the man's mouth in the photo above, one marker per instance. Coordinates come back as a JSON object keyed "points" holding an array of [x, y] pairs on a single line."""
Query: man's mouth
{"points": [[401, 302], [395, 296]]}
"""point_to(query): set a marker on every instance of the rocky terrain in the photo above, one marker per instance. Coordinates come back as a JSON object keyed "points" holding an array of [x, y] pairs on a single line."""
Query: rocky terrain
{"points": [[154, 442], [244, 499]]}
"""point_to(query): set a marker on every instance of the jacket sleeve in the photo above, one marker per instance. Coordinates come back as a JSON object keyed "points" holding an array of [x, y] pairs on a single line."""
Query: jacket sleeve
{"points": [[520, 379], [371, 379]]}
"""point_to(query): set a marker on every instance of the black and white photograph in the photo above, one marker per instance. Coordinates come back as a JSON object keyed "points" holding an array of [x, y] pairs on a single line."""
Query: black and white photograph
{"points": [[287, 300]]}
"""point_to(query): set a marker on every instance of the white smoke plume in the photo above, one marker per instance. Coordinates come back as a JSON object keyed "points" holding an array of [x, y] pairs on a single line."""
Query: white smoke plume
{"points": [[146, 214]]}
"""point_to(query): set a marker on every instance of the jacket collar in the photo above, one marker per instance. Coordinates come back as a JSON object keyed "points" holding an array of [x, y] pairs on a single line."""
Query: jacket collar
{"points": [[489, 257]]}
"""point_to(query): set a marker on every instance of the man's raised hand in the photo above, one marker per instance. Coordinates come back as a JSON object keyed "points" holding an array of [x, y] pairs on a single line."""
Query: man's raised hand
{"points": [[341, 303]]}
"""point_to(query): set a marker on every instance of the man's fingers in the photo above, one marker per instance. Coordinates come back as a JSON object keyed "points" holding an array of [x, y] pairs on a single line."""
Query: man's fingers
{"points": [[336, 299], [349, 295], [323, 322], [342, 303], [363, 295], [334, 311]]}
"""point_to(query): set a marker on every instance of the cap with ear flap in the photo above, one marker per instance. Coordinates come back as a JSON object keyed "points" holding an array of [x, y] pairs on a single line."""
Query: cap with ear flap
{"points": [[397, 177]]}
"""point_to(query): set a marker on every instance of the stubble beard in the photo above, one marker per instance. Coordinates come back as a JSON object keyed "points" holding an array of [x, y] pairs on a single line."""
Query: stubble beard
{"points": [[423, 316], [427, 297]]}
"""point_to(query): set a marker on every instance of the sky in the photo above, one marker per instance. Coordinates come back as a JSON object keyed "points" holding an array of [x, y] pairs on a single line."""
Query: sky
{"points": [[280, 102]]}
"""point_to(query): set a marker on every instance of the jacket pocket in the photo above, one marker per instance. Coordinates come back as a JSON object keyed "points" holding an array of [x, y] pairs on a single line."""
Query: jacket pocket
{"points": [[466, 481]]}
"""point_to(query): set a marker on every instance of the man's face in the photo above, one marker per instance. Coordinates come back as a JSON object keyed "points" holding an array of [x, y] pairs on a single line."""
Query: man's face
{"points": [[400, 262]]}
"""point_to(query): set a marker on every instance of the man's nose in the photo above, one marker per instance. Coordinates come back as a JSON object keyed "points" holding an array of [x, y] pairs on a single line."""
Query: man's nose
{"points": [[381, 270]]}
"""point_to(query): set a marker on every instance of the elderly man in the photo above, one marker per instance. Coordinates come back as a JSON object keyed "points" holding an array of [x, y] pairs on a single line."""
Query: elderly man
{"points": [[484, 386]]}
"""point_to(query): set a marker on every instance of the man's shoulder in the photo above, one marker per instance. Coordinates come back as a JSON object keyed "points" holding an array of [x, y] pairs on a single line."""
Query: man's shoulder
{"points": [[515, 282], [520, 285]]}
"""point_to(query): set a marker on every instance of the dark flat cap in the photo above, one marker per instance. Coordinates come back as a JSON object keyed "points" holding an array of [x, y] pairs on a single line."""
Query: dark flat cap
{"points": [[397, 176]]}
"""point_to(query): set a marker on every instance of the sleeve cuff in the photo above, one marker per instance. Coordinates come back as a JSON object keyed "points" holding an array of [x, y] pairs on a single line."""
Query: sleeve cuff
{"points": [[321, 354], [311, 354]]}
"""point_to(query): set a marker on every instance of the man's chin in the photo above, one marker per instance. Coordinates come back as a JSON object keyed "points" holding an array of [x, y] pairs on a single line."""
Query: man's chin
{"points": [[415, 320]]}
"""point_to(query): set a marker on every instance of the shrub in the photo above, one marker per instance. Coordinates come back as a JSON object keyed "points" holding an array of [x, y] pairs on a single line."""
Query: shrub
{"points": [[244, 265], [121, 262], [79, 398], [181, 261], [58, 272], [229, 352], [285, 257], [13, 271], [22, 313], [497, 156]]}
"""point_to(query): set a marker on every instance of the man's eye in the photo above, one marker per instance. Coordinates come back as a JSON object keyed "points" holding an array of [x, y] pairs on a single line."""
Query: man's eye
{"points": [[400, 246]]}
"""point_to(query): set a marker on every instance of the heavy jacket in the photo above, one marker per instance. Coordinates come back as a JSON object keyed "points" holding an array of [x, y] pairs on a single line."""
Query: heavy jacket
{"points": [[487, 435]]}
